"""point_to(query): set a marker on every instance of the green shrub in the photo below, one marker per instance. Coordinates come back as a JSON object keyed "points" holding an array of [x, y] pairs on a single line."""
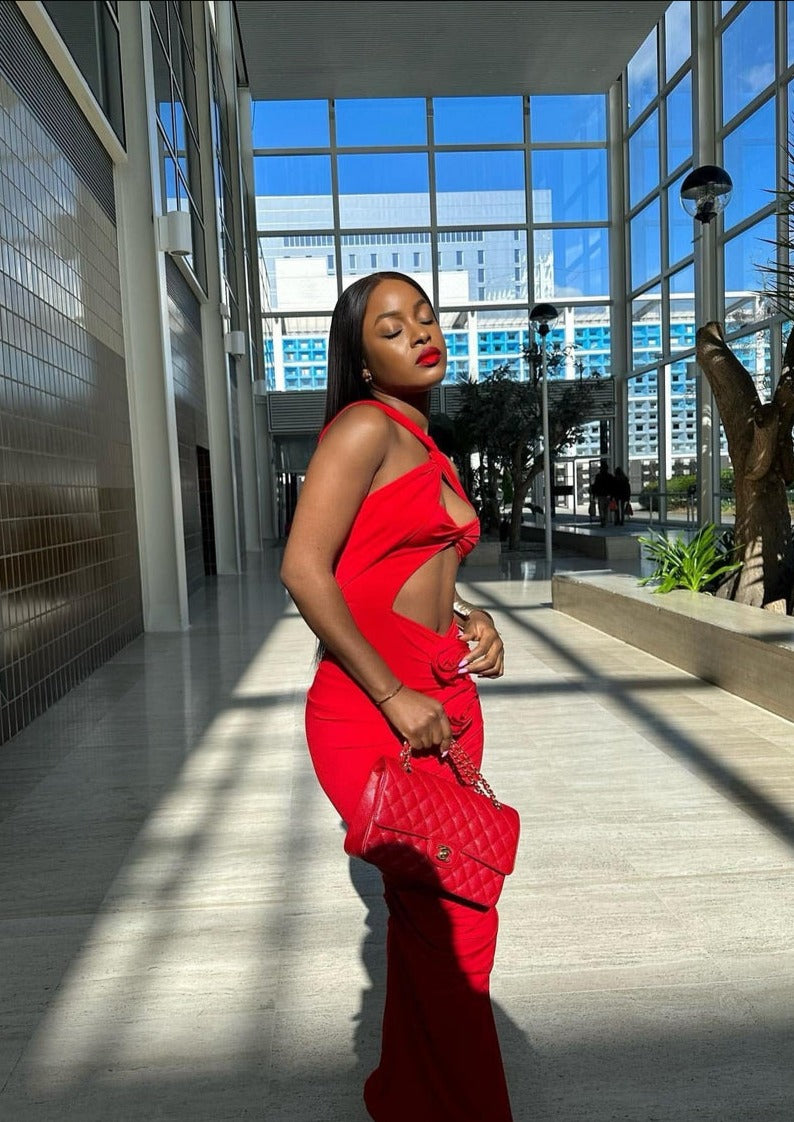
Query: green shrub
{"points": [[696, 565]]}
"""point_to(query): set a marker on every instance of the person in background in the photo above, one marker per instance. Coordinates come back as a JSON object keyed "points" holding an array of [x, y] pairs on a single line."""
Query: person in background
{"points": [[621, 493], [602, 489]]}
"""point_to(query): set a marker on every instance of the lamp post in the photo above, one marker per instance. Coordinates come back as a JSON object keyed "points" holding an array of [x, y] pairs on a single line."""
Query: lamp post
{"points": [[705, 193], [544, 315]]}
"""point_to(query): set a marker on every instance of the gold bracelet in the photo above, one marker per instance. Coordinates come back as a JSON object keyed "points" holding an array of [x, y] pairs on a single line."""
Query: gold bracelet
{"points": [[464, 610], [389, 696]]}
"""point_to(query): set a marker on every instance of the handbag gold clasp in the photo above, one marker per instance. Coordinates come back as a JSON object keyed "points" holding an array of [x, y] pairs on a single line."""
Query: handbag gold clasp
{"points": [[443, 853]]}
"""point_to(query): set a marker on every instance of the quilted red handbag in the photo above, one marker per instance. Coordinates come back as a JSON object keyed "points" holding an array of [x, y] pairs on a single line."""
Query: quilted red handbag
{"points": [[422, 830]]}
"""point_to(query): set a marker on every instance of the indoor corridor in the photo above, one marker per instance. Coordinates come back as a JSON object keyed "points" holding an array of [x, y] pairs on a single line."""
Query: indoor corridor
{"points": [[183, 938]]}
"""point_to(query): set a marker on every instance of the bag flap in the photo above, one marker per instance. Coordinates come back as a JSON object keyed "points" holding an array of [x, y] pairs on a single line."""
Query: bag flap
{"points": [[468, 825]]}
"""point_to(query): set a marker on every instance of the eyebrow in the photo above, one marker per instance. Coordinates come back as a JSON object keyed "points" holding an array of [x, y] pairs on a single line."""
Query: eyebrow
{"points": [[418, 304]]}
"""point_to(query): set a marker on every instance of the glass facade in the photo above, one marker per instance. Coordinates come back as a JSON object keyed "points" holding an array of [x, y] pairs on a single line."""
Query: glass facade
{"points": [[494, 203], [91, 32], [439, 189], [661, 127], [174, 63]]}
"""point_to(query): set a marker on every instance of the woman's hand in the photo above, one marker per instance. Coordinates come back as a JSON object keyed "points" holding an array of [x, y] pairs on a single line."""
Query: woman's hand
{"points": [[486, 658], [420, 720]]}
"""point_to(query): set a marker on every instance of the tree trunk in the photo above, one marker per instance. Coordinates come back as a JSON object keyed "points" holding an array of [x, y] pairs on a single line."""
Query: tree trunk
{"points": [[761, 452], [522, 481]]}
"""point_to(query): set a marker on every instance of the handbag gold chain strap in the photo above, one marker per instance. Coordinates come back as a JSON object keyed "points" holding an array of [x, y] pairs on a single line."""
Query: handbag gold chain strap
{"points": [[464, 767]]}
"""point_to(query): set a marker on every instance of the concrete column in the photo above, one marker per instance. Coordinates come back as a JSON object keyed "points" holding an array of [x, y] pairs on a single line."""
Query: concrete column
{"points": [[147, 342], [216, 368]]}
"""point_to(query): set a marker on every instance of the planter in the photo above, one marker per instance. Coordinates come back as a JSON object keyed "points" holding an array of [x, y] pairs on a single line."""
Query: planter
{"points": [[744, 650]]}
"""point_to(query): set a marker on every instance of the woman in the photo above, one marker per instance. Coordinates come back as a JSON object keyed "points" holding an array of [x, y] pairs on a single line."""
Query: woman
{"points": [[378, 532], [621, 493]]}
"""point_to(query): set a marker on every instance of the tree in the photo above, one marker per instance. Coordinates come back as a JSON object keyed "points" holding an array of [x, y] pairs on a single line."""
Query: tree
{"points": [[502, 420], [762, 454]]}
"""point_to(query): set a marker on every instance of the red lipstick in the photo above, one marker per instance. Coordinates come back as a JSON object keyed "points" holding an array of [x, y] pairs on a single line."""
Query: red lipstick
{"points": [[429, 356]]}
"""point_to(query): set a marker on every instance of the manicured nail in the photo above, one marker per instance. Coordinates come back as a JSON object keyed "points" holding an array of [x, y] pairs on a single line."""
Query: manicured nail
{"points": [[463, 662]]}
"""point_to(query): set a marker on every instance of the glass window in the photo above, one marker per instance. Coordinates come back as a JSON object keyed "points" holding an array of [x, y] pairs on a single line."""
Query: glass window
{"points": [[296, 352], [749, 153], [91, 33], [501, 334], [380, 122], [387, 189], [587, 328], [748, 56], [644, 159], [300, 277], [645, 248], [457, 285], [571, 262], [682, 310], [646, 328], [414, 253], [679, 123], [643, 426], [677, 36], [680, 230], [573, 118], [575, 180], [478, 120], [480, 187], [293, 192], [162, 90], [290, 124], [746, 256], [643, 77]]}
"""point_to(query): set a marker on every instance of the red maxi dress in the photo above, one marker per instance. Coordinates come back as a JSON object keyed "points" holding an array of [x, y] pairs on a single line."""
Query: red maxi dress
{"points": [[440, 1059]]}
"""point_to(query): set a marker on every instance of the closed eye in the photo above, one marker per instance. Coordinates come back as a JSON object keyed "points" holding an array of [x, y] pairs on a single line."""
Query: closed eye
{"points": [[393, 335]]}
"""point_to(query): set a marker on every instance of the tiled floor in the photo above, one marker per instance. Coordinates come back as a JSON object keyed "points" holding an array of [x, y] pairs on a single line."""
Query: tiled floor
{"points": [[182, 938]]}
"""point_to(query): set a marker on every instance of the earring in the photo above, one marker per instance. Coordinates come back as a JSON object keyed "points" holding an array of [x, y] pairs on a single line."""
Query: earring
{"points": [[365, 374]]}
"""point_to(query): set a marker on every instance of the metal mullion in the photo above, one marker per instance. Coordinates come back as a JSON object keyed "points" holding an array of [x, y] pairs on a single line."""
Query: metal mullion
{"points": [[431, 183], [529, 210], [280, 313], [324, 231], [589, 225], [336, 234], [645, 288], [723, 21], [782, 164], [512, 146], [647, 112], [329, 231], [567, 145], [379, 149], [747, 223], [739, 118], [569, 301], [291, 151]]}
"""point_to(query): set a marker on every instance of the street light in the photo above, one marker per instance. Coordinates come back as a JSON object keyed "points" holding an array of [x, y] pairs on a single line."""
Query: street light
{"points": [[543, 316], [705, 193]]}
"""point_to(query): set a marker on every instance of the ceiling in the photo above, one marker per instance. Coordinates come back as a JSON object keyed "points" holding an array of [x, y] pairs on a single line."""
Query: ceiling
{"points": [[388, 48]]}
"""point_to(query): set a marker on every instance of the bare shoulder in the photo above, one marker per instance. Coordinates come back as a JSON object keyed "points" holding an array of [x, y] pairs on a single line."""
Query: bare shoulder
{"points": [[359, 429]]}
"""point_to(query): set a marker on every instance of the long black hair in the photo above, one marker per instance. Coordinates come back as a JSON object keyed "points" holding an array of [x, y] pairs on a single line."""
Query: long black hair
{"points": [[346, 346]]}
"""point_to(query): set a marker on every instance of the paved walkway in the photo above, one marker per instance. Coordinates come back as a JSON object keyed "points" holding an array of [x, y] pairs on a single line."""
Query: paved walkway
{"points": [[182, 938]]}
